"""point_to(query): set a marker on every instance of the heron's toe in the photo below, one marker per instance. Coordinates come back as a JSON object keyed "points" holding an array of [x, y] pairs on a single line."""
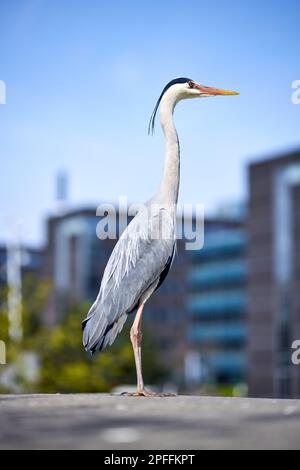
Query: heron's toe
{"points": [[147, 393]]}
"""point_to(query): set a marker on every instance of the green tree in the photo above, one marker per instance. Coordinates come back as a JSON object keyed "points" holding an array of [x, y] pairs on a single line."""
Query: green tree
{"points": [[64, 366]]}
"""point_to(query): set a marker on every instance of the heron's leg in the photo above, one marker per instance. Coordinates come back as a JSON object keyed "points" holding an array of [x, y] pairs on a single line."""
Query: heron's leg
{"points": [[136, 340]]}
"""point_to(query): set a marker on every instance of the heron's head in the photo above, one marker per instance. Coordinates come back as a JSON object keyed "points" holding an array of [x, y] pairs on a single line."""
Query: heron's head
{"points": [[184, 88]]}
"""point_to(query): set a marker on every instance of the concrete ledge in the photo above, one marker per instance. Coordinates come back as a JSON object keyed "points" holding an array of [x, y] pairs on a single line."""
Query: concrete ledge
{"points": [[99, 421]]}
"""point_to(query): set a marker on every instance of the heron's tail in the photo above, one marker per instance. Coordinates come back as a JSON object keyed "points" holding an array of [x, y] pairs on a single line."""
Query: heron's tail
{"points": [[98, 333]]}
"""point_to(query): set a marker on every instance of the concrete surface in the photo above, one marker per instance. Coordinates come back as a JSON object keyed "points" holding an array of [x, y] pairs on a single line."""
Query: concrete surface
{"points": [[99, 421]]}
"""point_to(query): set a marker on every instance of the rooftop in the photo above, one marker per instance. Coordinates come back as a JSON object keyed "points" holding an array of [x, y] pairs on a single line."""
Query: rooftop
{"points": [[100, 421]]}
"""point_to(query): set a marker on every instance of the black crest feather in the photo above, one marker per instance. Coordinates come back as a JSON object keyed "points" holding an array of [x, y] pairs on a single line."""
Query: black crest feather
{"points": [[153, 115]]}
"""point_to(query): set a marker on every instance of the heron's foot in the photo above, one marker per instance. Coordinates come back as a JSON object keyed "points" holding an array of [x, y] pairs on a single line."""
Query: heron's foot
{"points": [[147, 393]]}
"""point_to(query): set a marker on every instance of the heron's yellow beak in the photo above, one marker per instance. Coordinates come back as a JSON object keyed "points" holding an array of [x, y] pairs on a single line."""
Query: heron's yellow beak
{"points": [[214, 91]]}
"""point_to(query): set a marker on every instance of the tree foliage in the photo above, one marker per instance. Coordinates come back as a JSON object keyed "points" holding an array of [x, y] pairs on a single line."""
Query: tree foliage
{"points": [[64, 366]]}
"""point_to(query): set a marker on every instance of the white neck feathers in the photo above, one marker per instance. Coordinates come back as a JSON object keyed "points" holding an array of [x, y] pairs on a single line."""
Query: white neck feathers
{"points": [[169, 185]]}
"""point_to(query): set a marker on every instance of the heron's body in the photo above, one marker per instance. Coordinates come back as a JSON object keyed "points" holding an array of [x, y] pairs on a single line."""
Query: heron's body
{"points": [[133, 272], [143, 255]]}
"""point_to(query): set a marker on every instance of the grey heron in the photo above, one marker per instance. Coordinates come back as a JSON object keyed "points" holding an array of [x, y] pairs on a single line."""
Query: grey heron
{"points": [[142, 257]]}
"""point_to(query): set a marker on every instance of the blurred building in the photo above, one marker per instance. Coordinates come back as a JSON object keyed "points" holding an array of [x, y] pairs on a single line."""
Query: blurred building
{"points": [[197, 317], [74, 259], [216, 304], [31, 262], [274, 276]]}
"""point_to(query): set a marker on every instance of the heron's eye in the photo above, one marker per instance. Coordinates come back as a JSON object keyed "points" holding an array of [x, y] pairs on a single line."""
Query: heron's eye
{"points": [[191, 84]]}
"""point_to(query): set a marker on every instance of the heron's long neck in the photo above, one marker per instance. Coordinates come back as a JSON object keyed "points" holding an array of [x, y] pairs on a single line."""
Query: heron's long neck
{"points": [[169, 184]]}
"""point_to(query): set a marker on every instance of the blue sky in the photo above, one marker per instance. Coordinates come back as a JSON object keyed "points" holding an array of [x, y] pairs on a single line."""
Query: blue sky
{"points": [[83, 77]]}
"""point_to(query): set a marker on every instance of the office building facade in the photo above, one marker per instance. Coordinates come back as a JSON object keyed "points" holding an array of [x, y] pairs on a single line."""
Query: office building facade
{"points": [[216, 305], [274, 276]]}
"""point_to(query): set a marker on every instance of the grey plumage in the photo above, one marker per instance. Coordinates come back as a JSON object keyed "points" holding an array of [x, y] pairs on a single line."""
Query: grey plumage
{"points": [[133, 272]]}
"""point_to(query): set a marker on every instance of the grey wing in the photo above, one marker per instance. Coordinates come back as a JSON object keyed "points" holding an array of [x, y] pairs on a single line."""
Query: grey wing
{"points": [[133, 272]]}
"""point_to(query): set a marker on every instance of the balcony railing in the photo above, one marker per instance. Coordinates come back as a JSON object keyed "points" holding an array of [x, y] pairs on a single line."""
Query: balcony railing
{"points": [[217, 302], [221, 333], [224, 273]]}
